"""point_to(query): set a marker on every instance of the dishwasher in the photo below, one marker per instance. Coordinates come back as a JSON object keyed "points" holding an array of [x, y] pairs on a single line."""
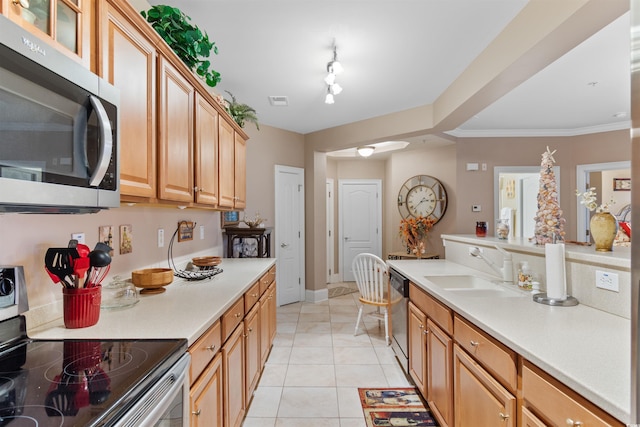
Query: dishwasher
{"points": [[399, 318]]}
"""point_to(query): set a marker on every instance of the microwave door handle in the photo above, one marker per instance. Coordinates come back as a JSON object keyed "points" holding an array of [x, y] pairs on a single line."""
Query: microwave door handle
{"points": [[106, 147]]}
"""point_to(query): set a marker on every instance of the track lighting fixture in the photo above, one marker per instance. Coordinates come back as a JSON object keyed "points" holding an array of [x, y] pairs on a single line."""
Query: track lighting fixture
{"points": [[333, 69]]}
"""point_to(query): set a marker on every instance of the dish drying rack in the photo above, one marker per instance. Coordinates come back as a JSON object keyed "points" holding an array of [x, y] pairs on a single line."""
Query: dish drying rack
{"points": [[200, 274]]}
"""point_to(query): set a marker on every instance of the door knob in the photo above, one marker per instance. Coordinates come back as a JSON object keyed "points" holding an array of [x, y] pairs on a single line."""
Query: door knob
{"points": [[283, 245]]}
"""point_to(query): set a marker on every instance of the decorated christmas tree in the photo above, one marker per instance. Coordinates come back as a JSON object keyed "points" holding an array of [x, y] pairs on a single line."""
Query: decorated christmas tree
{"points": [[549, 220]]}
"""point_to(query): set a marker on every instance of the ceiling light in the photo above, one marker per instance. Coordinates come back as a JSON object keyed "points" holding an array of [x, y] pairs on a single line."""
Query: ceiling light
{"points": [[329, 98], [334, 68], [365, 151]]}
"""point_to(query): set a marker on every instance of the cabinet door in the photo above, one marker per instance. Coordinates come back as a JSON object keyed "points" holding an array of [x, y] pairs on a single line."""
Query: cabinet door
{"points": [[129, 63], [272, 312], [265, 320], [175, 135], [439, 373], [206, 152], [226, 163], [530, 420], [479, 400], [65, 24], [233, 369], [240, 172], [252, 351], [417, 348], [205, 396]]}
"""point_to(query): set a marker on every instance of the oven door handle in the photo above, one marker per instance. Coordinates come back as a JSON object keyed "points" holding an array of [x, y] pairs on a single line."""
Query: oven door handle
{"points": [[106, 148]]}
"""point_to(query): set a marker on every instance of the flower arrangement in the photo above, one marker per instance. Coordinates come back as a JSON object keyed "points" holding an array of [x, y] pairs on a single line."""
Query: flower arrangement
{"points": [[413, 232], [589, 200]]}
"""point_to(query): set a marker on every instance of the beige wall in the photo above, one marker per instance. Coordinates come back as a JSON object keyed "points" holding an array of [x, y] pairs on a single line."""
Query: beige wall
{"points": [[476, 187], [27, 237]]}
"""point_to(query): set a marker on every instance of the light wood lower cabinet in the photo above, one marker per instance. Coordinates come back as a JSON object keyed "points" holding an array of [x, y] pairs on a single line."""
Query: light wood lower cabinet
{"points": [[253, 357], [267, 321], [205, 396], [479, 400], [439, 373], [233, 360], [530, 420], [549, 402], [417, 348]]}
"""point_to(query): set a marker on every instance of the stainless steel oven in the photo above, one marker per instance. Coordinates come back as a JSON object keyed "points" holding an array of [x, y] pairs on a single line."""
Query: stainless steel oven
{"points": [[399, 319]]}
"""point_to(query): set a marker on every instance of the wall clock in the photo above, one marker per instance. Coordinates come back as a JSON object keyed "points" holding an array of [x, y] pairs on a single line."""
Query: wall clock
{"points": [[422, 195]]}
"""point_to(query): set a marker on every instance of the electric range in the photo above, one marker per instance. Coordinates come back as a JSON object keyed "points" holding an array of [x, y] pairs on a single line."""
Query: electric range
{"points": [[83, 382]]}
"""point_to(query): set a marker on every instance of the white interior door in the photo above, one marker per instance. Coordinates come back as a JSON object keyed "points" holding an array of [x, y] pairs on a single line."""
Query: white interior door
{"points": [[330, 231], [289, 234], [360, 213]]}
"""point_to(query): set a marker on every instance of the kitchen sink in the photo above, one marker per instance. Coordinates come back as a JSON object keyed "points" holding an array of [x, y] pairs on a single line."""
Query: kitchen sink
{"points": [[472, 286]]}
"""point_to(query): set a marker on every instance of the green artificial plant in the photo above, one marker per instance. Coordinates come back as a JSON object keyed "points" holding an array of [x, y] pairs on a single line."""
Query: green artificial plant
{"points": [[187, 41], [241, 113]]}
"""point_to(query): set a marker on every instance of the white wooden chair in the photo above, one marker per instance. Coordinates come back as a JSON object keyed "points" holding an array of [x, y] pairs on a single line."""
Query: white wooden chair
{"points": [[372, 278]]}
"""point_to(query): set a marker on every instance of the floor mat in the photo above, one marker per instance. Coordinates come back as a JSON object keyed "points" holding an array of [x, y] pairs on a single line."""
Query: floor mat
{"points": [[338, 291], [394, 407]]}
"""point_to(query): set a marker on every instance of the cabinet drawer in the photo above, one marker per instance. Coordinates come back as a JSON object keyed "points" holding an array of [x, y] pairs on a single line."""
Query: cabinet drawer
{"points": [[232, 318], [267, 279], [435, 310], [251, 297], [203, 351], [556, 404], [494, 356]]}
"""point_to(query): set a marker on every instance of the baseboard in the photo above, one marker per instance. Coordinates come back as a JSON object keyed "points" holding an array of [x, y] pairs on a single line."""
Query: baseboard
{"points": [[317, 295]]}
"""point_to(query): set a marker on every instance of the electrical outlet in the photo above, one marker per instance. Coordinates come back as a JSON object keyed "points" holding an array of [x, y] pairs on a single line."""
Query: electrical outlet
{"points": [[160, 237], [201, 232], [607, 280], [476, 208], [78, 236]]}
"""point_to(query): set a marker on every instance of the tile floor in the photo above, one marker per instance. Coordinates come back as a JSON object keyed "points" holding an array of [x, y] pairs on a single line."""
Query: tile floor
{"points": [[316, 366]]}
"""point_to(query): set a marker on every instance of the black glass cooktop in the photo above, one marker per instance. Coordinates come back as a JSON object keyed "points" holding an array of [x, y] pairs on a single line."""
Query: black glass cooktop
{"points": [[77, 382]]}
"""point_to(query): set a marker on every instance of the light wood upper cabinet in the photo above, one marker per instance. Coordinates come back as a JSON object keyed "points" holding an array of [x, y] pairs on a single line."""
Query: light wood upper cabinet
{"points": [[226, 169], [64, 24], [240, 172], [206, 167], [129, 63], [175, 147]]}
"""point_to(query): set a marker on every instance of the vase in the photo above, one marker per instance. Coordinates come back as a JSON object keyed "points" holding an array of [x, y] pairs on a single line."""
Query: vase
{"points": [[603, 227]]}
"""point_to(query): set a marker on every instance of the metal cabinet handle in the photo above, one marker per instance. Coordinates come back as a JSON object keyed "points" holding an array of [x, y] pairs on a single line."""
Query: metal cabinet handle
{"points": [[426, 332], [211, 348], [254, 295], [197, 413], [421, 326], [570, 422], [474, 343], [238, 315], [250, 330], [504, 417]]}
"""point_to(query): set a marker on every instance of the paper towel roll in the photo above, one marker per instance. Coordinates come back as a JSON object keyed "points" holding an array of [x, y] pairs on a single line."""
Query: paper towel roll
{"points": [[556, 274]]}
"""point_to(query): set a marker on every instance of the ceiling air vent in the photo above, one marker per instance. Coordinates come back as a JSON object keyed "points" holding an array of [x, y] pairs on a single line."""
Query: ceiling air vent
{"points": [[279, 101]]}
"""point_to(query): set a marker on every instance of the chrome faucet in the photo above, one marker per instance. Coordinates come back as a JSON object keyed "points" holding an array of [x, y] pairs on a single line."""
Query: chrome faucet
{"points": [[507, 266]]}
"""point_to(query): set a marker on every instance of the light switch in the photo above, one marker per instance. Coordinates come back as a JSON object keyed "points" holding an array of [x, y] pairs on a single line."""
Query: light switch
{"points": [[607, 280]]}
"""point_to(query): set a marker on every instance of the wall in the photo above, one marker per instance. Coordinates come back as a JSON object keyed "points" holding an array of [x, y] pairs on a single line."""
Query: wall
{"points": [[476, 187], [27, 238]]}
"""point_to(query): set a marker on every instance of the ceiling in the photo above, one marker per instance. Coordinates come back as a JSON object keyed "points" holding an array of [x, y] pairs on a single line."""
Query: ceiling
{"points": [[401, 54]]}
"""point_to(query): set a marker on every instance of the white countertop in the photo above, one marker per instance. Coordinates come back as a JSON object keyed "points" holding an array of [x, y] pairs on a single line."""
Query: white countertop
{"points": [[586, 349], [185, 310]]}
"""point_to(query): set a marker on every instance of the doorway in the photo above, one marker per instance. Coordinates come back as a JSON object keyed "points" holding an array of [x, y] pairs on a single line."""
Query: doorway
{"points": [[359, 223], [289, 234]]}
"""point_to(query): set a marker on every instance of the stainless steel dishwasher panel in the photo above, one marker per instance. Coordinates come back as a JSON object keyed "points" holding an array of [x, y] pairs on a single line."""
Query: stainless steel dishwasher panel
{"points": [[399, 318]]}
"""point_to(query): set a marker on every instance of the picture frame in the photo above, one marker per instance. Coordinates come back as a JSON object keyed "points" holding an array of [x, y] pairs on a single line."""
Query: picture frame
{"points": [[230, 218], [185, 230], [621, 184]]}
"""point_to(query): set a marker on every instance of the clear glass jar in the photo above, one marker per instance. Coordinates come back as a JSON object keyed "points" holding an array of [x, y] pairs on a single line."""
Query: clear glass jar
{"points": [[119, 293]]}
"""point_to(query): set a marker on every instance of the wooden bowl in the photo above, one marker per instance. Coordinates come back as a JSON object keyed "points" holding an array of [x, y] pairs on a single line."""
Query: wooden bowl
{"points": [[152, 280], [206, 261]]}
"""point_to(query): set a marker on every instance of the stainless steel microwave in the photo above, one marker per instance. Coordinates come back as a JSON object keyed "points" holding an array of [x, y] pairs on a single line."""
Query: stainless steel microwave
{"points": [[58, 130]]}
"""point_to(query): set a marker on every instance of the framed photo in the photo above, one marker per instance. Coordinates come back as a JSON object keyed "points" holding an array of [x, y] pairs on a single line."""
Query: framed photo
{"points": [[621, 184], [185, 230], [230, 218]]}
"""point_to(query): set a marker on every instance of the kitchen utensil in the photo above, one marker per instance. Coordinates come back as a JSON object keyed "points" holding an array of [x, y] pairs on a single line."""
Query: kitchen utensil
{"points": [[97, 275], [100, 246], [99, 258], [80, 267], [59, 261], [83, 250], [152, 280]]}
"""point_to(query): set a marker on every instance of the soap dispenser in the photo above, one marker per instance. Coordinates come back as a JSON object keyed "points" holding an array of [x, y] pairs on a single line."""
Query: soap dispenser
{"points": [[525, 276]]}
